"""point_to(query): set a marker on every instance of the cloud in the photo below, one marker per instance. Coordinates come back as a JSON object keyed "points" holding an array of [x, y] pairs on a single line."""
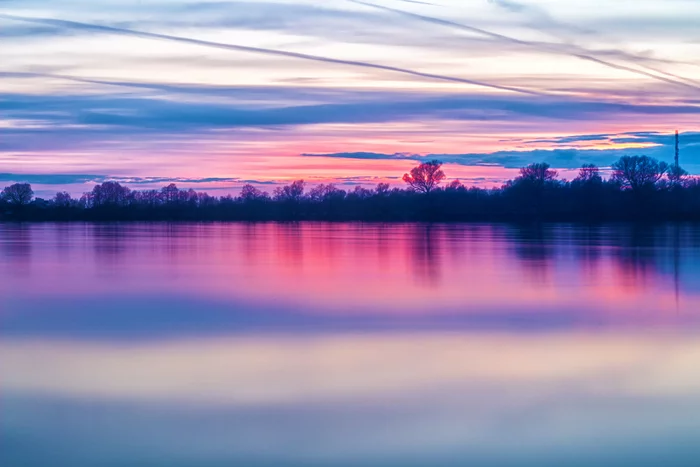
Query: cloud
{"points": [[367, 155], [541, 17], [264, 51], [271, 94], [569, 158], [107, 112], [569, 139], [323, 24], [166, 117], [562, 49], [90, 179], [416, 2], [543, 21], [51, 179], [640, 137], [73, 179], [32, 32]]}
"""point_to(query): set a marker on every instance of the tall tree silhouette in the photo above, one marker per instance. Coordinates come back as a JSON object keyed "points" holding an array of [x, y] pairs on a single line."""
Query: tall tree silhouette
{"points": [[677, 175], [109, 194], [588, 174], [426, 177], [170, 194], [250, 194], [293, 192], [62, 199], [638, 172], [537, 174], [19, 194]]}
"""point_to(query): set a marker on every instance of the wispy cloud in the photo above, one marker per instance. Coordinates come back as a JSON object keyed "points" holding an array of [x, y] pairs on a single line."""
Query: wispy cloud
{"points": [[543, 21], [540, 16], [51, 179], [86, 179], [112, 114], [687, 139], [265, 51], [570, 158], [562, 49]]}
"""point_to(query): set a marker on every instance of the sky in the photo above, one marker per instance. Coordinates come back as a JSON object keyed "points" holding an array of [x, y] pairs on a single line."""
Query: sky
{"points": [[216, 94]]}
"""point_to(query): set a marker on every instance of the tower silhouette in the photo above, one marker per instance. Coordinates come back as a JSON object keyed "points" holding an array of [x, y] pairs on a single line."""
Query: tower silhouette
{"points": [[677, 151]]}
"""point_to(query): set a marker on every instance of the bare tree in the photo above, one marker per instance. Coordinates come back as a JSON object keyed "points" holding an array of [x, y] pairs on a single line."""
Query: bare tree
{"points": [[62, 199], [325, 192], [170, 193], [677, 175], [382, 189], [426, 177], [638, 172], [149, 198], [19, 194], [250, 193], [538, 174], [359, 192], [293, 192], [588, 174], [455, 185], [109, 194]]}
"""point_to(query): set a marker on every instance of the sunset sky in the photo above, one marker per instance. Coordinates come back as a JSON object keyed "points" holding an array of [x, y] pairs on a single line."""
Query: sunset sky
{"points": [[215, 94]]}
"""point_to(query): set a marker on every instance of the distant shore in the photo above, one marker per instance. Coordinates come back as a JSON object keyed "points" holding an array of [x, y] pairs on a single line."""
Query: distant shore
{"points": [[640, 189]]}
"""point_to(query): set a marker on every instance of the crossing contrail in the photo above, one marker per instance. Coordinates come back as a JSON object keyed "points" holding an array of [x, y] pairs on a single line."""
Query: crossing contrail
{"points": [[582, 54], [264, 51]]}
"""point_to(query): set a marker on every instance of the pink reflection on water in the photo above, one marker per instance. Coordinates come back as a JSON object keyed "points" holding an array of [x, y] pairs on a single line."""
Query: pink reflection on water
{"points": [[392, 269]]}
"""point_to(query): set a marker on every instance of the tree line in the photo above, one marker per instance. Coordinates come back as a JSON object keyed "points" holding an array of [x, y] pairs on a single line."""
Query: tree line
{"points": [[639, 188]]}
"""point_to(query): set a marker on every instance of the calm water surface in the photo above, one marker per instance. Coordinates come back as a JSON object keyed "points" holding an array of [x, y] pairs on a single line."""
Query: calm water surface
{"points": [[349, 345]]}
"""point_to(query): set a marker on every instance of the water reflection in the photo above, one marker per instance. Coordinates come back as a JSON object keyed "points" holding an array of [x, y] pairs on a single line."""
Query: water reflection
{"points": [[587, 248], [349, 344], [348, 399], [427, 257], [534, 248], [16, 247], [357, 274]]}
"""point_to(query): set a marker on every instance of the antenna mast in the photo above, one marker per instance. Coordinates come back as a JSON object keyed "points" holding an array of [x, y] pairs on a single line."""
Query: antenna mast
{"points": [[677, 150]]}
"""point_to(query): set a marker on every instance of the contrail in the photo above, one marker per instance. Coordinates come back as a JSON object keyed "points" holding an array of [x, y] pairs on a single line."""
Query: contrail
{"points": [[264, 51], [525, 9], [513, 40], [181, 88], [77, 79]]}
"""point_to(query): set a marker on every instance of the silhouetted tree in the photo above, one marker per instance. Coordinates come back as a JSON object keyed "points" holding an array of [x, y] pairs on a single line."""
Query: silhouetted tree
{"points": [[455, 185], [19, 194], [62, 199], [109, 194], [526, 194], [588, 174], [170, 194], [677, 175], [149, 198], [537, 174], [536, 194], [590, 195], [638, 172], [188, 197], [207, 201], [361, 193], [325, 192], [293, 192], [250, 193], [426, 177], [382, 189]]}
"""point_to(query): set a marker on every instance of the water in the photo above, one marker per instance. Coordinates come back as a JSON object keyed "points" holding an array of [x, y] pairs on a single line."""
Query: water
{"points": [[349, 344]]}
